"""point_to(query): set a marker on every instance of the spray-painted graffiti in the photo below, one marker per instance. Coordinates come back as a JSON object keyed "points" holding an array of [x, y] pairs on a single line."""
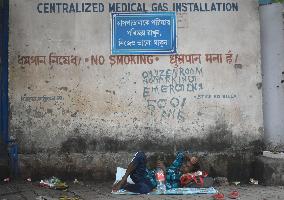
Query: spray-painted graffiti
{"points": [[171, 81], [168, 108]]}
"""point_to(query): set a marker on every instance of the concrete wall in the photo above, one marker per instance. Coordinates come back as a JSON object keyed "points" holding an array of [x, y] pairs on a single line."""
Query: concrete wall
{"points": [[272, 38], [92, 108]]}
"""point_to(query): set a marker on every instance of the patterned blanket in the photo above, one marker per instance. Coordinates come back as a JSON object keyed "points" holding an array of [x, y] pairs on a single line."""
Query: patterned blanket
{"points": [[176, 191]]}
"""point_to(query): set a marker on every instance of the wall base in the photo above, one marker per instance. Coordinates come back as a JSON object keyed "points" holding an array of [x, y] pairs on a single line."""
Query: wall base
{"points": [[237, 166]]}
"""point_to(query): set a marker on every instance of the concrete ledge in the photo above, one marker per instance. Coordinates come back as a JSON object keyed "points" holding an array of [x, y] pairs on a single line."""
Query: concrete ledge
{"points": [[269, 171], [236, 166]]}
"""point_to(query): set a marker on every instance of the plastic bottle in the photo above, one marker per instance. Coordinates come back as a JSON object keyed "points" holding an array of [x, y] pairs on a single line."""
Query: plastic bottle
{"points": [[160, 178]]}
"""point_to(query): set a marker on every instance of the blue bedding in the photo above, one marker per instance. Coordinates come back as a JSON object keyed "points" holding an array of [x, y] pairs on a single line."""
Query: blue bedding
{"points": [[176, 191]]}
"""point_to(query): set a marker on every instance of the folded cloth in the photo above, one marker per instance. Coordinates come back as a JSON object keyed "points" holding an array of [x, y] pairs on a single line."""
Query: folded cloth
{"points": [[120, 173]]}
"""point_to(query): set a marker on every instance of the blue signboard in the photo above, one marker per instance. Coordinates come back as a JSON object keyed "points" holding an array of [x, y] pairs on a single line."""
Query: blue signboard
{"points": [[143, 33]]}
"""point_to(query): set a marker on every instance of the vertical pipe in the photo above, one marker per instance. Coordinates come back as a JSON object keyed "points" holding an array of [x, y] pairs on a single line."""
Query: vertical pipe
{"points": [[4, 70], [272, 49]]}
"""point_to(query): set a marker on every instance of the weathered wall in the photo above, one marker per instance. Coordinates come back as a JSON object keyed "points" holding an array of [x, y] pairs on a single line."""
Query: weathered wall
{"points": [[113, 107]]}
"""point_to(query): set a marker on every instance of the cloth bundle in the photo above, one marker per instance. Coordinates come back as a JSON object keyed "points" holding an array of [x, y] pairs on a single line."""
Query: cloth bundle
{"points": [[198, 179]]}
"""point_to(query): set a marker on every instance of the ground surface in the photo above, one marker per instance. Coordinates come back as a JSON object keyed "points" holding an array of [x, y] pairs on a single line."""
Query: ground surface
{"points": [[16, 190]]}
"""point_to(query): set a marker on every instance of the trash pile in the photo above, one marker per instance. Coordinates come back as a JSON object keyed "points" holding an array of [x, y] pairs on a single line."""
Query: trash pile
{"points": [[53, 183], [69, 198], [221, 181], [253, 181], [60, 198]]}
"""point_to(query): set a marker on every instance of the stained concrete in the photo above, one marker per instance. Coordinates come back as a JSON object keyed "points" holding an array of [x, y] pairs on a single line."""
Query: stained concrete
{"points": [[237, 166], [62, 115], [270, 171]]}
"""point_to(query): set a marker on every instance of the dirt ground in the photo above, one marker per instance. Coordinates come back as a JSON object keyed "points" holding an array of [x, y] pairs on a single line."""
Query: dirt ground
{"points": [[16, 190]]}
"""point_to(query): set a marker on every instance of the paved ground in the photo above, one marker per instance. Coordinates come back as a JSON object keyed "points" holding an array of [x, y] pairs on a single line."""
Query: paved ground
{"points": [[17, 190]]}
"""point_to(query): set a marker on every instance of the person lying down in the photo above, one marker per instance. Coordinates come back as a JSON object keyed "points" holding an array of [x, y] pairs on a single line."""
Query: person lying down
{"points": [[179, 174]]}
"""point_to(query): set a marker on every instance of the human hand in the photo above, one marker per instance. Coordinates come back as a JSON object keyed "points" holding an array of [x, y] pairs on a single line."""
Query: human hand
{"points": [[117, 186], [193, 160], [161, 165], [187, 155]]}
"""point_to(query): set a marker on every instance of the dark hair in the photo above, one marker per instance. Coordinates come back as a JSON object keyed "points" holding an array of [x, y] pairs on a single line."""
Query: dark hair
{"points": [[195, 167]]}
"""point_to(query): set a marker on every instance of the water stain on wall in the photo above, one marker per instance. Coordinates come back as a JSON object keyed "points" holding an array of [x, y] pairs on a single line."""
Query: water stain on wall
{"points": [[74, 145], [217, 139]]}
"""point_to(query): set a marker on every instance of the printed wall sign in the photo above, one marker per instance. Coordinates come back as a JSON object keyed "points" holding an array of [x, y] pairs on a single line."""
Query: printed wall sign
{"points": [[143, 33]]}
